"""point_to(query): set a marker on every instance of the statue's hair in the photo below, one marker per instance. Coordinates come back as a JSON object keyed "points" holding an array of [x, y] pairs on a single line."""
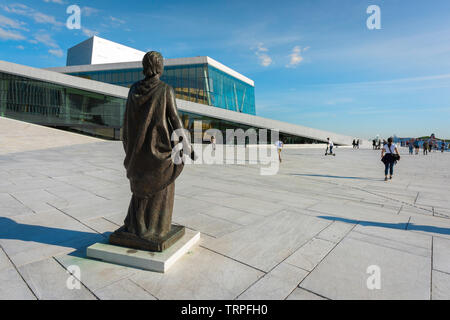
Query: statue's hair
{"points": [[153, 64]]}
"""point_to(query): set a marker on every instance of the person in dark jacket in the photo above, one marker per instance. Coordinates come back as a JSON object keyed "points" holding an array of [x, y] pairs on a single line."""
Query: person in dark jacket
{"points": [[388, 157]]}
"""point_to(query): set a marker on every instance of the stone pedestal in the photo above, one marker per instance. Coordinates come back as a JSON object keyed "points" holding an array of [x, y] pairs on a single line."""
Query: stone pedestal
{"points": [[148, 260], [126, 239]]}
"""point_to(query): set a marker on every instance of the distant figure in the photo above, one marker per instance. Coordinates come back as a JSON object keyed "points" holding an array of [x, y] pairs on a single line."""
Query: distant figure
{"points": [[379, 145], [416, 146], [213, 143], [330, 146], [279, 144], [389, 156], [357, 143], [425, 147], [374, 144], [411, 148], [354, 143], [442, 146]]}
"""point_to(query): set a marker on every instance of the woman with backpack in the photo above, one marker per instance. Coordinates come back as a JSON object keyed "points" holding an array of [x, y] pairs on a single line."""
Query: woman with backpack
{"points": [[389, 156]]}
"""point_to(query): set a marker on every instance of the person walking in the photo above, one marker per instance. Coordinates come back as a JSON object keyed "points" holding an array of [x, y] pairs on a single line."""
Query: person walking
{"points": [[416, 146], [389, 156], [279, 144], [425, 147], [411, 148], [354, 143], [330, 146]]}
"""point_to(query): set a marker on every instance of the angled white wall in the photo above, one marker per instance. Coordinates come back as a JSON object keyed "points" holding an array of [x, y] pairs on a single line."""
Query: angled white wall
{"points": [[96, 50]]}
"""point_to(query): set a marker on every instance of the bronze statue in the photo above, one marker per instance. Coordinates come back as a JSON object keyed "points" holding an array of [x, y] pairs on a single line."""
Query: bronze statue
{"points": [[150, 119]]}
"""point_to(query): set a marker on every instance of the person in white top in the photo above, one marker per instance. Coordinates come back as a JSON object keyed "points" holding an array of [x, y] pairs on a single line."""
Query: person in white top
{"points": [[330, 146], [279, 144], [389, 156]]}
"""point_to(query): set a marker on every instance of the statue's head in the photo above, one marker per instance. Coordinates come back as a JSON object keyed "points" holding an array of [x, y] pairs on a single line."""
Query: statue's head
{"points": [[153, 64]]}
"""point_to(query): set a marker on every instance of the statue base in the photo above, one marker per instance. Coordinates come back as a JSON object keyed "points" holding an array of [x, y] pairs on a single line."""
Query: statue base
{"points": [[129, 240], [147, 260]]}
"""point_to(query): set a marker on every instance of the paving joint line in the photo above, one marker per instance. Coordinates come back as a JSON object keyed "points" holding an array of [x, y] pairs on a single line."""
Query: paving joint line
{"points": [[73, 275], [18, 272], [223, 255], [22, 203], [79, 221], [431, 271], [295, 250], [345, 235], [129, 279]]}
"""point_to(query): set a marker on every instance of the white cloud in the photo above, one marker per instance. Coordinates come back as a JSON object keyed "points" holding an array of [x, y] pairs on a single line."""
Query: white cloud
{"points": [[20, 47], [116, 20], [10, 35], [264, 59], [11, 23], [56, 52], [55, 1], [37, 16], [89, 33], [46, 39], [336, 101], [88, 11], [296, 57]]}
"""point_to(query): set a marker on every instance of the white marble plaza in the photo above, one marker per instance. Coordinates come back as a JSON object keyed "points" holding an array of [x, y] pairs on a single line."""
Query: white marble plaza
{"points": [[309, 232]]}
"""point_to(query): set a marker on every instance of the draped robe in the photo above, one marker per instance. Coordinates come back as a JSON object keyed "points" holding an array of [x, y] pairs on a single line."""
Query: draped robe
{"points": [[150, 118]]}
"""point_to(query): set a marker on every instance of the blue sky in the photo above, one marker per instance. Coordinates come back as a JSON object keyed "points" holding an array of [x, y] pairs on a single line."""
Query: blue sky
{"points": [[314, 62]]}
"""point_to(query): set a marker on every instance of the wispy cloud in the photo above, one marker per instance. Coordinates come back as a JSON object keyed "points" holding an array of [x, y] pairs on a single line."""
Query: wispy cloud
{"points": [[88, 32], [296, 57], [46, 39], [10, 35], [336, 101], [89, 11], [55, 1], [11, 23], [262, 53], [116, 20], [37, 16], [56, 52]]}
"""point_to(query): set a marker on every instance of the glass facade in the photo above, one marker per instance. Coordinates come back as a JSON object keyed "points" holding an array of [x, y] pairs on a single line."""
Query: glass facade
{"points": [[189, 119], [87, 112], [200, 83], [58, 106]]}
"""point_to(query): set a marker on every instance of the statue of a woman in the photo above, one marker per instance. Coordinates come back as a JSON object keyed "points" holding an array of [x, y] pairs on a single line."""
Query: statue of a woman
{"points": [[150, 119]]}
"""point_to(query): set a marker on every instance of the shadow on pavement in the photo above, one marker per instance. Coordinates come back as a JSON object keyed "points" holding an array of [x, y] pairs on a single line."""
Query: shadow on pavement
{"points": [[401, 226], [79, 240], [337, 177]]}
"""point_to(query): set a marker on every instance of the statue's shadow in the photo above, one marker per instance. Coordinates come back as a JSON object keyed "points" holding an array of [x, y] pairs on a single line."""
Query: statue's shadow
{"points": [[78, 240]]}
